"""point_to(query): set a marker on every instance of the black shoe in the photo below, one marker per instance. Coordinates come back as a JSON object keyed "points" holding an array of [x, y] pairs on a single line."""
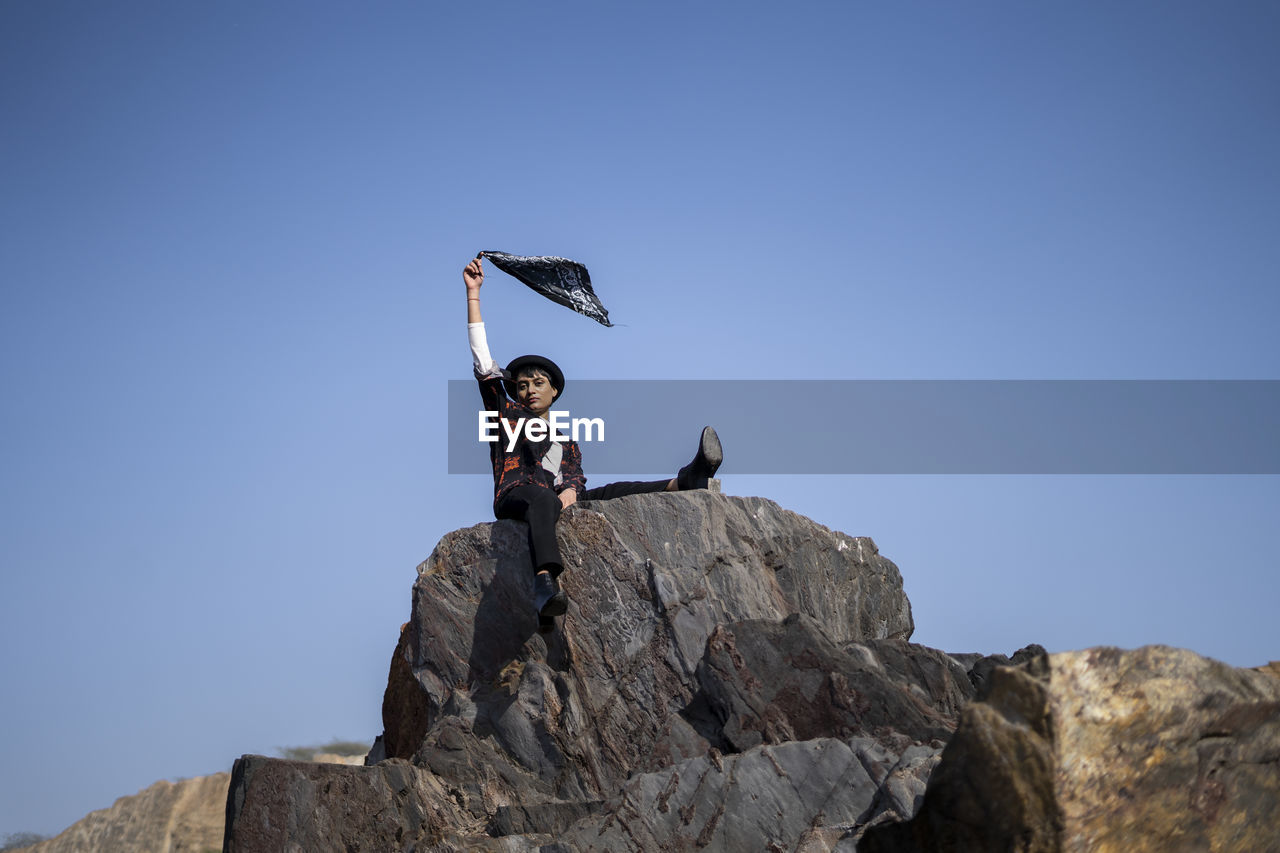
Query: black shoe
{"points": [[548, 600], [703, 467]]}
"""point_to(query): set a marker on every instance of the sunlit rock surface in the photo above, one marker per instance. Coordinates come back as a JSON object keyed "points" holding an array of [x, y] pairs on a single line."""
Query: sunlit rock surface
{"points": [[1156, 749]]}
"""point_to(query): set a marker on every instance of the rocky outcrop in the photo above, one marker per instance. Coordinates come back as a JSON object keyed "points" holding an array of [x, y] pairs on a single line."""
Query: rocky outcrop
{"points": [[650, 579], [731, 676], [168, 817], [726, 670], [1156, 749]]}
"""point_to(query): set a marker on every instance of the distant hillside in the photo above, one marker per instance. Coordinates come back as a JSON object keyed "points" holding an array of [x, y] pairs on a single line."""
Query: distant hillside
{"points": [[175, 817], [168, 817]]}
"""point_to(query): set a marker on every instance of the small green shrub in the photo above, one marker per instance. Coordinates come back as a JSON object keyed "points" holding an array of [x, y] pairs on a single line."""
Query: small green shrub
{"points": [[334, 747]]}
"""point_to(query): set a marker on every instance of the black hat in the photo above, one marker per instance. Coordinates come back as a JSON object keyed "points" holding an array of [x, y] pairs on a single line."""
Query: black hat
{"points": [[538, 361]]}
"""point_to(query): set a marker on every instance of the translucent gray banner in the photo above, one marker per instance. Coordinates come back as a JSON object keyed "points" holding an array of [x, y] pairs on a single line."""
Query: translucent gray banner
{"points": [[912, 426]]}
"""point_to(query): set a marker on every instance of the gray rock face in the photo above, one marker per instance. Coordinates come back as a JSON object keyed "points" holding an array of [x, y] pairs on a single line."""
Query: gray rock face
{"points": [[301, 806], [649, 579], [729, 675], [772, 682], [769, 797]]}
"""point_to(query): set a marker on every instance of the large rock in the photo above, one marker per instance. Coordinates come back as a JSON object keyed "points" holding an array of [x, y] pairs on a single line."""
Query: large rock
{"points": [[168, 817], [1156, 749], [649, 580], [719, 654], [303, 806]]}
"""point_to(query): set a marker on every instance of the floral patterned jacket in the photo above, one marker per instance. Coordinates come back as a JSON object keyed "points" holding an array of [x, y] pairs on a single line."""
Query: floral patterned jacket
{"points": [[529, 463]]}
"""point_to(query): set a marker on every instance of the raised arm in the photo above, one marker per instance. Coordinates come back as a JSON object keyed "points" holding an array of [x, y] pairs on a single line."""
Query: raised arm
{"points": [[482, 361], [473, 277]]}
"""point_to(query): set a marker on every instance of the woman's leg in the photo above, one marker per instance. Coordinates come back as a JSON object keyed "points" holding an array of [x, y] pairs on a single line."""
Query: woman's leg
{"points": [[539, 507], [695, 475], [627, 487]]}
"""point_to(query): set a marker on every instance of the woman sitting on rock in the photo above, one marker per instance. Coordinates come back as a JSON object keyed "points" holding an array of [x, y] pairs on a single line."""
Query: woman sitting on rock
{"points": [[533, 481]]}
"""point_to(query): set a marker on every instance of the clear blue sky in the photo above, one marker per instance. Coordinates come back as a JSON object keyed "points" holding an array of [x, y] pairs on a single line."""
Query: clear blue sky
{"points": [[231, 238]]}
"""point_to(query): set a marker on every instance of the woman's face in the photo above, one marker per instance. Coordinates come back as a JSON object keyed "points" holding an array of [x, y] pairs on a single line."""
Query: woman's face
{"points": [[534, 389]]}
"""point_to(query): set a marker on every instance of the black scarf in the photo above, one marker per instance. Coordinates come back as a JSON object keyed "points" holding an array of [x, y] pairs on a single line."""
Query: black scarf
{"points": [[559, 279]]}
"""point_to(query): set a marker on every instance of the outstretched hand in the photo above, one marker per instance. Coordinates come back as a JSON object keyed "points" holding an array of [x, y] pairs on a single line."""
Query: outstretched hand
{"points": [[473, 275]]}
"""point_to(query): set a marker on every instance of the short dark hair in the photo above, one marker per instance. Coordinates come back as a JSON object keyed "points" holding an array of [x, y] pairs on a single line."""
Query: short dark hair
{"points": [[531, 371]]}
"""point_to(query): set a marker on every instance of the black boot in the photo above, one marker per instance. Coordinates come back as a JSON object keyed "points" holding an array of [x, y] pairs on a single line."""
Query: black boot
{"points": [[546, 624], [548, 600], [704, 464]]}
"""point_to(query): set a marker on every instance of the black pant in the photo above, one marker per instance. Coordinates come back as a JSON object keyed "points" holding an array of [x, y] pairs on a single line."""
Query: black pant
{"points": [[539, 507]]}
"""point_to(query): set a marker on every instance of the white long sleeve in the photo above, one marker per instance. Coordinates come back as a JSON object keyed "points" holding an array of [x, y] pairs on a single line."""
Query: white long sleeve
{"points": [[480, 357]]}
